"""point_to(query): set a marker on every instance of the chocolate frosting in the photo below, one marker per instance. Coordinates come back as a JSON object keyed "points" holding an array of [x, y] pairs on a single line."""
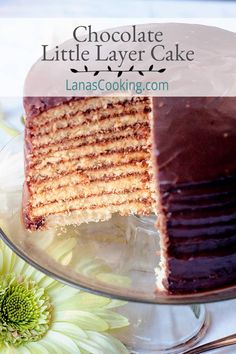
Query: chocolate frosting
{"points": [[194, 151], [35, 105]]}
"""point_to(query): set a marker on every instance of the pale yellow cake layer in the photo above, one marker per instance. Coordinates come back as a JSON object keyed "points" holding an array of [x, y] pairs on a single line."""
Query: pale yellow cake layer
{"points": [[93, 127], [88, 176], [94, 150], [53, 125], [136, 129], [105, 200], [97, 187], [110, 159], [89, 103]]}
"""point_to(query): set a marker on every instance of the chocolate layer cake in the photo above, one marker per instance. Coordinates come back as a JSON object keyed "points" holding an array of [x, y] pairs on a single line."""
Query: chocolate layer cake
{"points": [[88, 158]]}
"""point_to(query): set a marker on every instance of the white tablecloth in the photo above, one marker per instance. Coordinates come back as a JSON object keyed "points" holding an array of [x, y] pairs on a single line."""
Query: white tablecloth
{"points": [[223, 313]]}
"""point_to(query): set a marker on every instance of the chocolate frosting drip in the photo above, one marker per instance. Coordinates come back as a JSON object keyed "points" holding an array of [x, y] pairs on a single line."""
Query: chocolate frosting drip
{"points": [[194, 151]]}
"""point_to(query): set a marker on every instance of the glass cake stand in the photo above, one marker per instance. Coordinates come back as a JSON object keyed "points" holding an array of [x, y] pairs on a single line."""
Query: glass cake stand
{"points": [[115, 258]]}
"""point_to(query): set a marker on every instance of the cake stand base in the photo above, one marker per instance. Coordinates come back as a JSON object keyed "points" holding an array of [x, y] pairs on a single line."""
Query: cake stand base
{"points": [[159, 329]]}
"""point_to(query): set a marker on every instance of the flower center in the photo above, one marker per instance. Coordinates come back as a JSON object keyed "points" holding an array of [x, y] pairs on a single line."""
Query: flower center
{"points": [[17, 308], [25, 310]]}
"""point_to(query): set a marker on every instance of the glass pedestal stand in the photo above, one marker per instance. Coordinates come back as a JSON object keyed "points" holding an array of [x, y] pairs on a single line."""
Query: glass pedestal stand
{"points": [[159, 329]]}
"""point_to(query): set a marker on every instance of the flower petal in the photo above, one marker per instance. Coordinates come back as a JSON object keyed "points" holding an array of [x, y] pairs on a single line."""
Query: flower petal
{"points": [[8, 259], [111, 278], [115, 303], [85, 301], [106, 340], [29, 272], [20, 350], [19, 266], [51, 347], [91, 267], [1, 260], [66, 344], [83, 319], [60, 248], [99, 343], [62, 294], [49, 283], [115, 320], [36, 348], [70, 329]]}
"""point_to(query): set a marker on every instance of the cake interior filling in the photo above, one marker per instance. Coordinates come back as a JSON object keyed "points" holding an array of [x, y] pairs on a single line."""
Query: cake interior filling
{"points": [[90, 158]]}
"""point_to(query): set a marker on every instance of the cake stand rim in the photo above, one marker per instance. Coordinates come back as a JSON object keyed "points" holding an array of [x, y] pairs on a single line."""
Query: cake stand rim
{"points": [[228, 293]]}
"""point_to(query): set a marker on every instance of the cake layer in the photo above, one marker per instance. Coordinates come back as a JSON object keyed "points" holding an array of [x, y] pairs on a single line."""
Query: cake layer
{"points": [[201, 273], [80, 118], [48, 108], [212, 246], [82, 130], [89, 175], [138, 129], [93, 150], [93, 201], [198, 226], [78, 190], [109, 159]]}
